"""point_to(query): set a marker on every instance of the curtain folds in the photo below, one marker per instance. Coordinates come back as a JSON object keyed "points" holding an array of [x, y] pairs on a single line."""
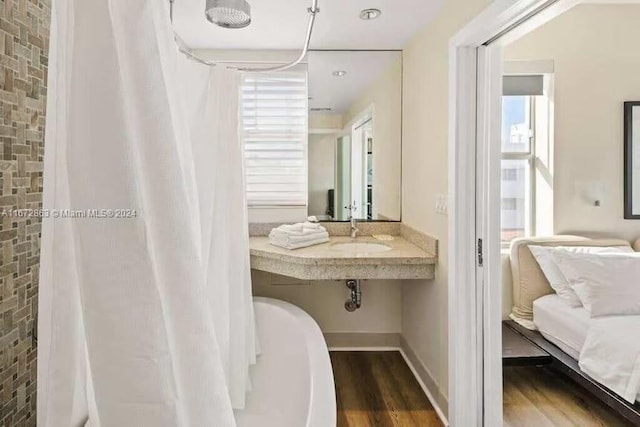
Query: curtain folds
{"points": [[146, 318]]}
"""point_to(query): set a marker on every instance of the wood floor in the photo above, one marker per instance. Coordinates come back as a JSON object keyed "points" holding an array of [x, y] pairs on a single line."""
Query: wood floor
{"points": [[377, 389], [539, 397]]}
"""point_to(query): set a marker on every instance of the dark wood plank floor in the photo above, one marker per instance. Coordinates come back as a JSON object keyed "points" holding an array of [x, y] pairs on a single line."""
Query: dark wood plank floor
{"points": [[377, 389], [539, 397]]}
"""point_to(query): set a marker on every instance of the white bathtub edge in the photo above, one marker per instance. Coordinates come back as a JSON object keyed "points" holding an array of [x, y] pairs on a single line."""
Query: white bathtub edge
{"points": [[319, 358]]}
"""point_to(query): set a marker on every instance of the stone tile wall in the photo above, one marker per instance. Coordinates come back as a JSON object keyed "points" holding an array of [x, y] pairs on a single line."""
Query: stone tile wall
{"points": [[24, 41]]}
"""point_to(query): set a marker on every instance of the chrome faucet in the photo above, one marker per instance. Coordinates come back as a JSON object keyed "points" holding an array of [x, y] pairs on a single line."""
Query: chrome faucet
{"points": [[354, 223]]}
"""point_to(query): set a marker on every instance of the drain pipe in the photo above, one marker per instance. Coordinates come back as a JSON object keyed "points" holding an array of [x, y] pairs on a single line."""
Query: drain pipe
{"points": [[355, 302]]}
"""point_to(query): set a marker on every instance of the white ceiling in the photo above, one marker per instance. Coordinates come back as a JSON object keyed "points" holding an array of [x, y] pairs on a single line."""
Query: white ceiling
{"points": [[339, 93], [282, 24]]}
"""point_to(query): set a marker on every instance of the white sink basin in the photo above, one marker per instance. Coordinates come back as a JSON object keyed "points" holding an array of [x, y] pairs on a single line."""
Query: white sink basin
{"points": [[361, 248]]}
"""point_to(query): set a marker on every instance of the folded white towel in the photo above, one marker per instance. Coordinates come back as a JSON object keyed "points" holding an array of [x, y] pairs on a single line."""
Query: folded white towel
{"points": [[300, 229], [297, 236], [279, 236], [293, 228], [298, 245]]}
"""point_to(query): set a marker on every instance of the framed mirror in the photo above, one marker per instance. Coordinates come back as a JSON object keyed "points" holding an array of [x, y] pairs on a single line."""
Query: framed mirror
{"points": [[632, 160], [355, 135]]}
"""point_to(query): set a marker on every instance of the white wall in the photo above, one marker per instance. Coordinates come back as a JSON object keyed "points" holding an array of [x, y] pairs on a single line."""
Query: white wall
{"points": [[424, 177], [321, 172], [277, 214], [597, 64], [385, 95], [381, 302], [322, 158], [322, 122]]}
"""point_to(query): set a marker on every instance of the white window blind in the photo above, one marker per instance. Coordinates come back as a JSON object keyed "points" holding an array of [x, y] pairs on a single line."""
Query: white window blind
{"points": [[523, 85], [275, 134]]}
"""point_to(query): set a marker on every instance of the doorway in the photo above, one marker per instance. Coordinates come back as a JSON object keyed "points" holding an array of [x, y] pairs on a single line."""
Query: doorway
{"points": [[475, 291]]}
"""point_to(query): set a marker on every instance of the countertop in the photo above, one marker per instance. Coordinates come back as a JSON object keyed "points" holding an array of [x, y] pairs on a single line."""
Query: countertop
{"points": [[323, 262]]}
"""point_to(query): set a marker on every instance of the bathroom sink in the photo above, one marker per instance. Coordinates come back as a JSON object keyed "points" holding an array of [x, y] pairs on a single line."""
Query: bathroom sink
{"points": [[361, 248]]}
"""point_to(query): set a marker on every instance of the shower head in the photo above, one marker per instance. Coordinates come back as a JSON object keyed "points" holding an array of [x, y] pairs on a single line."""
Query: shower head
{"points": [[229, 13]]}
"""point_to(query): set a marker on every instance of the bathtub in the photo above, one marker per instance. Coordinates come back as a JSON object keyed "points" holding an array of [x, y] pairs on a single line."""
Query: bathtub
{"points": [[292, 383]]}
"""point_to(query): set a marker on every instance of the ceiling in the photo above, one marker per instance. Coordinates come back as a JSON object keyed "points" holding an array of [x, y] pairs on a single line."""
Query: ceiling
{"points": [[339, 93], [282, 24]]}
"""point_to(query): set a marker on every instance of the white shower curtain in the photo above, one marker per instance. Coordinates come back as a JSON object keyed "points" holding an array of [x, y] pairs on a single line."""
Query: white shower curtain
{"points": [[144, 320], [211, 101]]}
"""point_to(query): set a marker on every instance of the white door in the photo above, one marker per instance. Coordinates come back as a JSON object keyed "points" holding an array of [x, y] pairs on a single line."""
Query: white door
{"points": [[488, 229]]}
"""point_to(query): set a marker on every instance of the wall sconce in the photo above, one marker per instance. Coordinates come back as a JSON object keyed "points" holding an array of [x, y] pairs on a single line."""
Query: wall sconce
{"points": [[594, 193]]}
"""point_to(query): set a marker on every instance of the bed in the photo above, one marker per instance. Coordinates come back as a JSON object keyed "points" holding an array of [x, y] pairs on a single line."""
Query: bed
{"points": [[549, 322], [563, 326]]}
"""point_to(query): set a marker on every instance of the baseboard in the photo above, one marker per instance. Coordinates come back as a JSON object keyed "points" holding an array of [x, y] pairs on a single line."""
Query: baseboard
{"points": [[425, 380], [362, 341], [338, 349]]}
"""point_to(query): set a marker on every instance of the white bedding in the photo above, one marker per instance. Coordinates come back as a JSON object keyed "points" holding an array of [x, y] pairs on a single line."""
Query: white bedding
{"points": [[564, 326], [568, 327], [611, 354]]}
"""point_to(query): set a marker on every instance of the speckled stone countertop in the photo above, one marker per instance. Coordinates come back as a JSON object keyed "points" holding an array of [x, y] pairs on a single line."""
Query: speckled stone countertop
{"points": [[324, 262]]}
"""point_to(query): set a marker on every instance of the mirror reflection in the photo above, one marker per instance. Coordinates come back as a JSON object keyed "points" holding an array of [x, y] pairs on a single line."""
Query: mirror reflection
{"points": [[632, 160], [355, 136]]}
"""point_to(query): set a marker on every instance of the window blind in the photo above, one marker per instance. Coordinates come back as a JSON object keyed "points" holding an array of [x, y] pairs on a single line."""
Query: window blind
{"points": [[523, 85], [275, 135]]}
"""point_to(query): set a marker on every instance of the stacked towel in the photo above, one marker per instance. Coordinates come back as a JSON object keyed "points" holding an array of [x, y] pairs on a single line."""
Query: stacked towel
{"points": [[298, 236]]}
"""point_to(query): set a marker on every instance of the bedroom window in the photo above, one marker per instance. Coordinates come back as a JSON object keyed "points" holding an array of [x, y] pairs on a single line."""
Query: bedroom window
{"points": [[509, 174], [517, 156], [510, 204], [525, 139], [274, 120]]}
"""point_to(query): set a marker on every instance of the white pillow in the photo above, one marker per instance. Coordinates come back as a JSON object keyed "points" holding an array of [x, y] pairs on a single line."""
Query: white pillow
{"points": [[607, 284], [546, 259]]}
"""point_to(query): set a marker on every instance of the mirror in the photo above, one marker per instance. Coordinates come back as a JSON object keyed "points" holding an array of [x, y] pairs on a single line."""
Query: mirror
{"points": [[632, 160], [355, 135]]}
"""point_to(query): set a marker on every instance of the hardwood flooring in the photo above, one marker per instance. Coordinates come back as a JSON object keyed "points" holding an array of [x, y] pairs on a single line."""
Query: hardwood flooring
{"points": [[539, 397], [377, 389]]}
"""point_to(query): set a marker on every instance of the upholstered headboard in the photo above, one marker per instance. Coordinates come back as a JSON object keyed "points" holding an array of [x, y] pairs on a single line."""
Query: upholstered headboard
{"points": [[529, 283]]}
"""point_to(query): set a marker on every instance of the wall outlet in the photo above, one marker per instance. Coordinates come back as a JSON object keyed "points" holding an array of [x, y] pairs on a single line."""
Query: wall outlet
{"points": [[442, 204]]}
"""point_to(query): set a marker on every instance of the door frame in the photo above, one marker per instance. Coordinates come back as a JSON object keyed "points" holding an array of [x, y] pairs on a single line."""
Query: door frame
{"points": [[475, 290]]}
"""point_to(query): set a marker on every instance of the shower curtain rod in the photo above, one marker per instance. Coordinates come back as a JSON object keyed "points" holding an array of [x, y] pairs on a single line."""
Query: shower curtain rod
{"points": [[189, 53]]}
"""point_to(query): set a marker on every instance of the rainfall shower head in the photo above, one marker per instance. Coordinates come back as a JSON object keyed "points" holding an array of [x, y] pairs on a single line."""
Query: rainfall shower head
{"points": [[229, 13]]}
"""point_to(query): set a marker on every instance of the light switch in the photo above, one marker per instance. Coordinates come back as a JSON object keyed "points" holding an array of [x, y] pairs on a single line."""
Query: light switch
{"points": [[442, 204]]}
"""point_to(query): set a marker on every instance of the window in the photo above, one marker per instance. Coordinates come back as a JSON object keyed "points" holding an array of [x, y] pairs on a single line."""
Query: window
{"points": [[510, 204], [275, 132], [517, 159], [509, 174], [527, 156]]}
